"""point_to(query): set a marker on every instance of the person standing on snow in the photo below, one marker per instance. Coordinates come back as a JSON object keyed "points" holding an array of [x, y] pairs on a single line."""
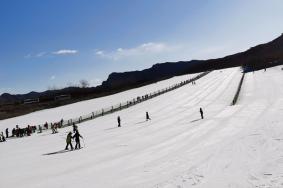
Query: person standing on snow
{"points": [[61, 123], [201, 113], [119, 121], [77, 139], [69, 141], [40, 129], [7, 133], [147, 116], [3, 138], [75, 127]]}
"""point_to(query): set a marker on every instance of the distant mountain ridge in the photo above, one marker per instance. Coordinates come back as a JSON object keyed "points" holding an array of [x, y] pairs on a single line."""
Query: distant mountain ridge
{"points": [[258, 57]]}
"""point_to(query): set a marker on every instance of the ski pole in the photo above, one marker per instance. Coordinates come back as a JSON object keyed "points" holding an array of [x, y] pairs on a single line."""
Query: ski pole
{"points": [[84, 142]]}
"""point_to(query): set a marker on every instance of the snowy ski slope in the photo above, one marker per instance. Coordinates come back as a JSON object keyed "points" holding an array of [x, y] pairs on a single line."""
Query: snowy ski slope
{"points": [[234, 146], [88, 106]]}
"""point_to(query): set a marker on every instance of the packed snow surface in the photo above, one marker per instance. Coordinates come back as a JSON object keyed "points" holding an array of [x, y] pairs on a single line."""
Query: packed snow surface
{"points": [[86, 107], [233, 146]]}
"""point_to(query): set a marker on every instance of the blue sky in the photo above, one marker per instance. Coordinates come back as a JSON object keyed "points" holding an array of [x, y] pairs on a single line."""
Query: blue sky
{"points": [[56, 43]]}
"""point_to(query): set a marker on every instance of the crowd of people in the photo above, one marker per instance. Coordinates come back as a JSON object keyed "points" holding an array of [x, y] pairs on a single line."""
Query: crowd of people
{"points": [[54, 126], [75, 135], [18, 132], [29, 130]]}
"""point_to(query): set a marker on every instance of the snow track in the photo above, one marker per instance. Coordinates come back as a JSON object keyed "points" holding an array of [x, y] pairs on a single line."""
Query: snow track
{"points": [[234, 146]]}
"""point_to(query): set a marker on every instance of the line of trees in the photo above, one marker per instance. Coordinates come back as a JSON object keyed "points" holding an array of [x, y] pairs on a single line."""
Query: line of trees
{"points": [[83, 83]]}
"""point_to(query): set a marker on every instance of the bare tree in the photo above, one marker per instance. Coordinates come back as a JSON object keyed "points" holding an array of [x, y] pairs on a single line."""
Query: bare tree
{"points": [[84, 83], [71, 84]]}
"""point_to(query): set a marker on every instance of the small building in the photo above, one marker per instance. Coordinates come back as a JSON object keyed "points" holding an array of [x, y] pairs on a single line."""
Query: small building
{"points": [[31, 101], [62, 97]]}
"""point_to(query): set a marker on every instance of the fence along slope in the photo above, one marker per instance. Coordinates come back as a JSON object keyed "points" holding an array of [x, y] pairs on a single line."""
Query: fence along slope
{"points": [[127, 104], [235, 99]]}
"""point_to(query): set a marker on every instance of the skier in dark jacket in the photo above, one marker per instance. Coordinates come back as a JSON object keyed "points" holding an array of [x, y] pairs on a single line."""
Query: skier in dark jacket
{"points": [[201, 113], [147, 116], [40, 129], [69, 141], [75, 127], [7, 133], [77, 139], [119, 121], [3, 138], [13, 132], [61, 123]]}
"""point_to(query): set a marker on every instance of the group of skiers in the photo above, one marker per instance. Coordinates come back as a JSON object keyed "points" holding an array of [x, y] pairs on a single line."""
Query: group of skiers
{"points": [[20, 132], [119, 119], [54, 126], [17, 132], [76, 136], [148, 118], [27, 131]]}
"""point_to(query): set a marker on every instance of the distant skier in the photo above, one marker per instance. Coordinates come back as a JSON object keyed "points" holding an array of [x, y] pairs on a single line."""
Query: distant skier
{"points": [[75, 127], [69, 141], [119, 121], [46, 125], [7, 133], [54, 128], [13, 132], [3, 138], [40, 129], [61, 123], [201, 113], [28, 130], [77, 139], [147, 116]]}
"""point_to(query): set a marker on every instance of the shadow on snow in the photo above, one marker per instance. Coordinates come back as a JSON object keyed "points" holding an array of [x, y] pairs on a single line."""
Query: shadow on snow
{"points": [[60, 151], [195, 120]]}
